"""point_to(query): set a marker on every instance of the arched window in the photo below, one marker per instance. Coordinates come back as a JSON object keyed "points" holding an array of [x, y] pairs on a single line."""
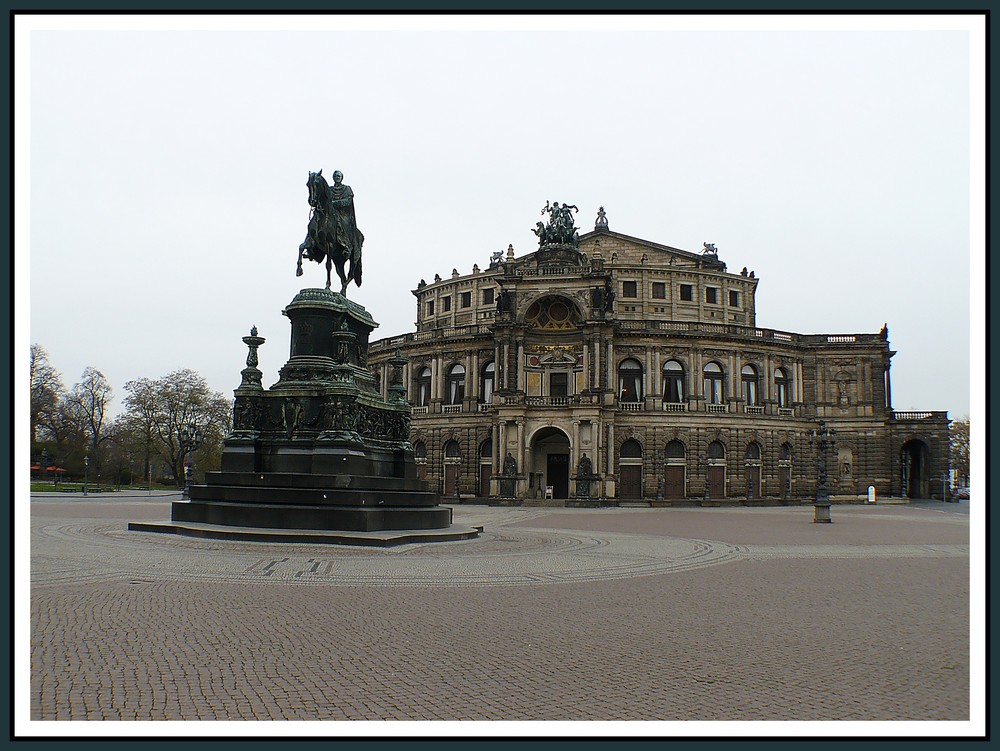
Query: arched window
{"points": [[456, 384], [750, 381], [674, 450], [422, 392], [452, 450], [630, 381], [420, 451], [716, 450], [488, 380], [486, 449], [554, 312], [753, 452], [673, 382], [715, 391], [782, 388], [631, 450], [785, 452]]}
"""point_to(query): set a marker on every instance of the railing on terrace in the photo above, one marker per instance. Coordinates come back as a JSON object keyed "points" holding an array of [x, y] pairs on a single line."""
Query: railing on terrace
{"points": [[675, 407], [752, 409], [547, 401], [487, 407], [919, 415], [630, 406], [716, 409], [786, 412], [419, 410], [451, 409]]}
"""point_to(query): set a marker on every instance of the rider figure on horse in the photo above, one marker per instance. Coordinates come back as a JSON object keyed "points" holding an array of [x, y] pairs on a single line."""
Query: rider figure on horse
{"points": [[333, 232]]}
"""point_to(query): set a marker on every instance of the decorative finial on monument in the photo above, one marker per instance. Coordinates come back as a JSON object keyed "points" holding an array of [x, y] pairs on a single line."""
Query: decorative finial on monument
{"points": [[251, 375], [510, 251], [602, 220]]}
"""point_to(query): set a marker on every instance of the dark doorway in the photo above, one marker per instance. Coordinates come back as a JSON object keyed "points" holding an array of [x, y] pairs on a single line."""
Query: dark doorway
{"points": [[753, 482], [631, 480], [450, 480], [915, 463], [717, 482], [485, 470], [673, 483], [557, 474]]}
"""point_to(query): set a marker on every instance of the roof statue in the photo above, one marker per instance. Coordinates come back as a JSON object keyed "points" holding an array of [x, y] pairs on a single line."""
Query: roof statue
{"points": [[560, 229], [332, 234], [709, 249]]}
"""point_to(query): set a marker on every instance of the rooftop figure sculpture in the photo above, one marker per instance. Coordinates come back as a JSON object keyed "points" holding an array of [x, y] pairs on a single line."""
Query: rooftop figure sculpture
{"points": [[560, 229], [333, 233]]}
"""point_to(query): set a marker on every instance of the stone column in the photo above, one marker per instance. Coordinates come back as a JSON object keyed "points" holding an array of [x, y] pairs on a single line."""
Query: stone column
{"points": [[499, 371], [574, 454], [597, 363], [521, 384], [611, 449], [647, 380], [473, 374], [520, 445]]}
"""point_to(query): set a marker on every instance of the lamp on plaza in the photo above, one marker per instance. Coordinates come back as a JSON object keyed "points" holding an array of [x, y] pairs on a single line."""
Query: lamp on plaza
{"points": [[825, 440], [707, 465], [190, 439], [86, 466]]}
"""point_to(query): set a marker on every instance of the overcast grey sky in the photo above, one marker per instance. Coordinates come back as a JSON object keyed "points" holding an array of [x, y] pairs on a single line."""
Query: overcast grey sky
{"points": [[167, 174]]}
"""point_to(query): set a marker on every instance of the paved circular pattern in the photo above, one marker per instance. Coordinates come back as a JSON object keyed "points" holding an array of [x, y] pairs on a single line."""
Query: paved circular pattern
{"points": [[93, 550], [501, 557]]}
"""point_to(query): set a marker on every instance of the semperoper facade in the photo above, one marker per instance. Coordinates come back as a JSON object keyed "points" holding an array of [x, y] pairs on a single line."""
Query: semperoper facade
{"points": [[602, 368]]}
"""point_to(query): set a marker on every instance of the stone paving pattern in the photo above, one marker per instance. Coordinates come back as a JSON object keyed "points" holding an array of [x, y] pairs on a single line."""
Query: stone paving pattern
{"points": [[553, 614]]}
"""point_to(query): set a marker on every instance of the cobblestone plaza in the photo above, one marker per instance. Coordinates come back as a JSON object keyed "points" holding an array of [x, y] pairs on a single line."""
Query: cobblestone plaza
{"points": [[552, 614]]}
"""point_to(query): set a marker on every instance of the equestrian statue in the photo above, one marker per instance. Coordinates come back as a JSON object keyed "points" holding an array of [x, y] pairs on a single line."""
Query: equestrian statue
{"points": [[333, 235]]}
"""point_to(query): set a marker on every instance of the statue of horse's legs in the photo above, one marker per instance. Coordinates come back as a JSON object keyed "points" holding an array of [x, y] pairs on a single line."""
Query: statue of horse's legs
{"points": [[329, 268]]}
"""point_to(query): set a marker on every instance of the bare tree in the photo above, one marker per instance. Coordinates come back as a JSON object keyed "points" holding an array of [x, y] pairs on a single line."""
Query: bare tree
{"points": [[88, 403], [46, 391], [157, 411]]}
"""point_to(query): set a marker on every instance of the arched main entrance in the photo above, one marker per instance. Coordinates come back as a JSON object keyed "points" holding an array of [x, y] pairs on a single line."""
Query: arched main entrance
{"points": [[550, 461], [914, 460]]}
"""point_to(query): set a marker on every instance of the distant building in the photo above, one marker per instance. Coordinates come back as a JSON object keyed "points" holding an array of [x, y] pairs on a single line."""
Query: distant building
{"points": [[603, 367]]}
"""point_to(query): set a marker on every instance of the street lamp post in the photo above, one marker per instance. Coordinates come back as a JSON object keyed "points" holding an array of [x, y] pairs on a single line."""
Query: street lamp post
{"points": [[86, 467], [707, 465], [824, 439], [190, 439]]}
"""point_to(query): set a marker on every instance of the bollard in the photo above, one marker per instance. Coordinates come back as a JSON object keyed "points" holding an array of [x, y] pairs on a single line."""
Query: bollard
{"points": [[821, 513]]}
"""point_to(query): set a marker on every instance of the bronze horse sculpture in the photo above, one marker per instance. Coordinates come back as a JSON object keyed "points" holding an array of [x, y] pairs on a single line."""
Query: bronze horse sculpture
{"points": [[332, 234]]}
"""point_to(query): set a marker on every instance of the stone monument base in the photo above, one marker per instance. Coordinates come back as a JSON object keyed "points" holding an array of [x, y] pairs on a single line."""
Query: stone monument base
{"points": [[321, 456]]}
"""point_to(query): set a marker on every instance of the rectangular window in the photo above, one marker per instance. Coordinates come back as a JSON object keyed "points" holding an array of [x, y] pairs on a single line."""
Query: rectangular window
{"points": [[430, 307], [558, 384], [446, 303], [734, 299], [711, 295], [488, 296], [466, 299], [630, 289], [659, 290], [687, 292]]}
